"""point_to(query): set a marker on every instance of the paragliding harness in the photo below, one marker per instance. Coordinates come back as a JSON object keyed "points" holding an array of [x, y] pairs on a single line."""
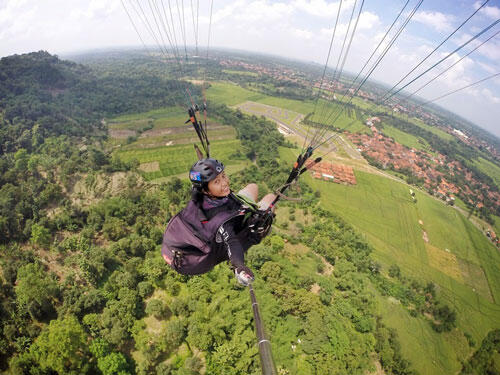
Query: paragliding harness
{"points": [[190, 238]]}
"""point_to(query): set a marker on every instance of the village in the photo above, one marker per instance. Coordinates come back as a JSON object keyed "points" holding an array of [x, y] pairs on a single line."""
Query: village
{"points": [[433, 172]]}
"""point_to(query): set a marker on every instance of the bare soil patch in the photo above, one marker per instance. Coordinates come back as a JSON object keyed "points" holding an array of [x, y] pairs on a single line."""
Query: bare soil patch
{"points": [[150, 167], [328, 267], [121, 133], [315, 288], [157, 132]]}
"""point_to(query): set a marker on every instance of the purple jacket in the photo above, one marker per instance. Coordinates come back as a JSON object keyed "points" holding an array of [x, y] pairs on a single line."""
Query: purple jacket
{"points": [[192, 235]]}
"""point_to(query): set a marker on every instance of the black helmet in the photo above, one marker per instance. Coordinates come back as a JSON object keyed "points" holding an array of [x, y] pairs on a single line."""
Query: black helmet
{"points": [[204, 171]]}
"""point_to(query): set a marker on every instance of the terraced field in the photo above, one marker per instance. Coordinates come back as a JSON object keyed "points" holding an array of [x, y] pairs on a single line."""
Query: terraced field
{"points": [[173, 160], [163, 145]]}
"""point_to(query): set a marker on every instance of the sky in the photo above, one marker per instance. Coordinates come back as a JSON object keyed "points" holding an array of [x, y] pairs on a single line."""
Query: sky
{"points": [[299, 29]]}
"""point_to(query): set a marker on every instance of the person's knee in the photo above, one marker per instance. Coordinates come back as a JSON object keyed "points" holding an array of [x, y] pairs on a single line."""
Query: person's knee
{"points": [[266, 201], [251, 191], [252, 187]]}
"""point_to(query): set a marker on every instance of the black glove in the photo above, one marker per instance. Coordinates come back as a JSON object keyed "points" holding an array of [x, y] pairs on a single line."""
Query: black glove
{"points": [[244, 275]]}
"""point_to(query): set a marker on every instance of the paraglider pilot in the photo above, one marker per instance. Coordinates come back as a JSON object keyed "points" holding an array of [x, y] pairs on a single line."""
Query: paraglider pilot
{"points": [[215, 226]]}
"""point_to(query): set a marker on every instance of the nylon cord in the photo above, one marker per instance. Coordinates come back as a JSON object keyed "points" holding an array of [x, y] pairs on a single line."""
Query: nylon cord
{"points": [[372, 69], [436, 48]]}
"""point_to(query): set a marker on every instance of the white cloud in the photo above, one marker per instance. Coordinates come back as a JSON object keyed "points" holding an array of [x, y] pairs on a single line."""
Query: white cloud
{"points": [[492, 12], [438, 21], [321, 8], [302, 33], [260, 11], [456, 77], [368, 21], [490, 96], [17, 19], [491, 50], [488, 68]]}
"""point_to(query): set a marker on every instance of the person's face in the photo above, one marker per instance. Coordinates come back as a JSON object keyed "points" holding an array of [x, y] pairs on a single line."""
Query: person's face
{"points": [[219, 186]]}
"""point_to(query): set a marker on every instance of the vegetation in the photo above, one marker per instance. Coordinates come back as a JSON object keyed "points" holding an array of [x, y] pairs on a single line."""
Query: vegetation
{"points": [[84, 289], [483, 360]]}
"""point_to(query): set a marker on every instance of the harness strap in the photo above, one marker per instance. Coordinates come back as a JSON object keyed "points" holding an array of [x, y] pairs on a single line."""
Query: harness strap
{"points": [[247, 202]]}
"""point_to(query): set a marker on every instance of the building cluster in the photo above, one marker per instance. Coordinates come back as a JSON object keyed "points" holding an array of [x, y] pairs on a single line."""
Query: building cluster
{"points": [[341, 174], [278, 72], [473, 141], [432, 170]]}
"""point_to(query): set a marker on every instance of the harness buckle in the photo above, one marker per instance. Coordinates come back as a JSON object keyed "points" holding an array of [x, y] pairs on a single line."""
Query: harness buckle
{"points": [[177, 258]]}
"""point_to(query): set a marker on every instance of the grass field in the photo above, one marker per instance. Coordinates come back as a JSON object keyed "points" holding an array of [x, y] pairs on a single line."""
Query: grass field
{"points": [[232, 94], [488, 168], [428, 351], [496, 226], [405, 139], [154, 114], [458, 258], [432, 129]]}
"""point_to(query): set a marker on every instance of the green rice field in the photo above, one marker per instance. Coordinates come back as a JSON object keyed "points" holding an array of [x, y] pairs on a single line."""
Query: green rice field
{"points": [[240, 72], [165, 112], [165, 147], [174, 160]]}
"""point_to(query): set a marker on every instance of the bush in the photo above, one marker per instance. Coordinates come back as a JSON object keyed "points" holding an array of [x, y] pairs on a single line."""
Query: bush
{"points": [[394, 271], [40, 235], [320, 267], [145, 288], [156, 308], [277, 243]]}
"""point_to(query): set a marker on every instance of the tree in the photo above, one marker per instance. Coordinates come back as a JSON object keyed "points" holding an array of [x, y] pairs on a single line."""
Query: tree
{"points": [[35, 290], [114, 229], [277, 243], [113, 364], [40, 235], [110, 363], [175, 332], [156, 308], [62, 347]]}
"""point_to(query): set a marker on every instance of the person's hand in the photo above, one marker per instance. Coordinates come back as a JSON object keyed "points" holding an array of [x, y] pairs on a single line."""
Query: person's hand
{"points": [[244, 275]]}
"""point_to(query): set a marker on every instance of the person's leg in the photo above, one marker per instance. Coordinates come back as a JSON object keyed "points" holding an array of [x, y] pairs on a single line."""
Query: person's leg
{"points": [[266, 201], [250, 191]]}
